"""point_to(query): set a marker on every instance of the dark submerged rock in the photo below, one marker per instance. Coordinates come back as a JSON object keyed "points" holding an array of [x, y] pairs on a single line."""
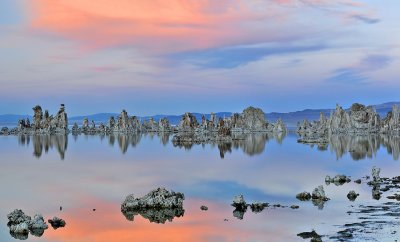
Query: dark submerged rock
{"points": [[56, 222]]}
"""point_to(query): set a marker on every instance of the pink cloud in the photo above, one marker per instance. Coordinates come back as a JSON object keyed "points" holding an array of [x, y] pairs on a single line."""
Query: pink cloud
{"points": [[167, 26]]}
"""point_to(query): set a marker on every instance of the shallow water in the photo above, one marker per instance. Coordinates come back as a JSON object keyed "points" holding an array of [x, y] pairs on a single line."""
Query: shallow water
{"points": [[41, 173]]}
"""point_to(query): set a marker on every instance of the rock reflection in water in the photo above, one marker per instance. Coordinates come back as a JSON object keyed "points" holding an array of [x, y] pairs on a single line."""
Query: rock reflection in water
{"points": [[44, 142], [250, 144], [155, 215], [361, 147]]}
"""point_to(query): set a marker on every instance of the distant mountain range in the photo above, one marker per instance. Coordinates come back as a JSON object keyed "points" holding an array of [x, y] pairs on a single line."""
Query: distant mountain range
{"points": [[290, 118]]}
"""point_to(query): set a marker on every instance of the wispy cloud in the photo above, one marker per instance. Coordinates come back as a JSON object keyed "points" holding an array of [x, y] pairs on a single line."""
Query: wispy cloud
{"points": [[358, 72], [237, 56], [365, 19]]}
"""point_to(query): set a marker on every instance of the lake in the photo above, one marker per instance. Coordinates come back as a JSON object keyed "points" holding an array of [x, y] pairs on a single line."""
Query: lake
{"points": [[82, 173]]}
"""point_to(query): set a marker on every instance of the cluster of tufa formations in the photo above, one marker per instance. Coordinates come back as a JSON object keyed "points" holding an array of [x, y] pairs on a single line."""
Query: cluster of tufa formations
{"points": [[41, 123], [189, 128], [358, 120]]}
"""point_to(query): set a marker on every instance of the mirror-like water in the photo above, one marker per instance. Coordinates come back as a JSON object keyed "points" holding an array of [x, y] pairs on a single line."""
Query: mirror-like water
{"points": [[41, 173]]}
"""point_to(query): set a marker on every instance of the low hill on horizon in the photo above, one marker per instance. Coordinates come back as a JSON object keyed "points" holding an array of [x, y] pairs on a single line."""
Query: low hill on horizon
{"points": [[290, 118]]}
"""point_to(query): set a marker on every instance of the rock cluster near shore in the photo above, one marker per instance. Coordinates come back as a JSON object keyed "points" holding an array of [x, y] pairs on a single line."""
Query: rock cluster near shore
{"points": [[359, 119], [21, 225]]}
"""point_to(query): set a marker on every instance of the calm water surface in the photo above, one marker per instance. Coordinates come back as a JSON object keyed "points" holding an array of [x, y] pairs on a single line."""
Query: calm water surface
{"points": [[41, 173]]}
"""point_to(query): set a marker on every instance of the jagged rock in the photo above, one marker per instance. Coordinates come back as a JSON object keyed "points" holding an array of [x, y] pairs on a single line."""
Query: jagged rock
{"points": [[279, 126], [37, 117], [258, 207], [391, 124], [111, 123], [21, 228], [204, 208], [17, 216], [158, 205], [239, 202], [337, 180], [57, 222], [4, 131], [304, 196], [319, 194], [37, 225], [352, 195], [20, 224], [375, 174], [253, 119], [376, 193], [188, 122], [75, 128], [158, 198]]}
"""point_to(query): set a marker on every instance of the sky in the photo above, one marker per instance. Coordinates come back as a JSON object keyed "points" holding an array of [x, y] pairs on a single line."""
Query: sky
{"points": [[172, 56]]}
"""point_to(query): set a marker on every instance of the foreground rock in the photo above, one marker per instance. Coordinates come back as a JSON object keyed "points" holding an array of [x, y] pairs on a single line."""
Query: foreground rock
{"points": [[158, 205], [352, 195], [258, 207], [337, 180], [314, 236], [317, 197], [20, 224], [304, 196], [57, 222]]}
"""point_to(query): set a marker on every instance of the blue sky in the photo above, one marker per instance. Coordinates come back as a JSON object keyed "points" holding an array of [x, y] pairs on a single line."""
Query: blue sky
{"points": [[158, 57]]}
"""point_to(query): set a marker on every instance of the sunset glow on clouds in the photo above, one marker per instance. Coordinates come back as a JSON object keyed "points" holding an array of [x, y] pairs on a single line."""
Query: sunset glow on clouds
{"points": [[195, 54]]}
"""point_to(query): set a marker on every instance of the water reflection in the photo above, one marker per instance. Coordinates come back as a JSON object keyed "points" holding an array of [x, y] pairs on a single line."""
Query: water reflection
{"points": [[361, 147], [251, 144], [45, 142], [159, 216]]}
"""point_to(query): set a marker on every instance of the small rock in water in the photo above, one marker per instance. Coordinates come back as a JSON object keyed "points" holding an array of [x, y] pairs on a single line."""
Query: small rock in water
{"points": [[375, 174], [60, 208], [385, 189], [319, 194], [294, 206], [204, 208], [394, 196], [94, 209], [57, 223], [303, 196], [239, 203], [258, 207], [358, 181], [352, 195]]}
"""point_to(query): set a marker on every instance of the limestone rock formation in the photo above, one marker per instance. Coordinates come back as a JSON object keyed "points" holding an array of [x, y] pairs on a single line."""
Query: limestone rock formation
{"points": [[375, 174], [20, 224], [158, 205], [239, 202], [158, 198], [253, 119], [188, 122], [391, 124]]}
